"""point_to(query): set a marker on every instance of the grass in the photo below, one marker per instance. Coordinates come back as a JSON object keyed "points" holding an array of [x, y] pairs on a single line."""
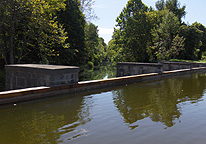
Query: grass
{"points": [[2, 80], [179, 60]]}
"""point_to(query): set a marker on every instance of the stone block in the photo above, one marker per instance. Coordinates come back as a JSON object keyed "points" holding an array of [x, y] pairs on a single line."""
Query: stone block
{"points": [[31, 75], [133, 68]]}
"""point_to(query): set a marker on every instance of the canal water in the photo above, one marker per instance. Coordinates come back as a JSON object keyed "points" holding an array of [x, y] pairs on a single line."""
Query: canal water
{"points": [[108, 70], [169, 111]]}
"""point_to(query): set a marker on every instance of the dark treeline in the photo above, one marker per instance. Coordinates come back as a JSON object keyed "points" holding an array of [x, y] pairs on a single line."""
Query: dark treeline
{"points": [[148, 35], [49, 32]]}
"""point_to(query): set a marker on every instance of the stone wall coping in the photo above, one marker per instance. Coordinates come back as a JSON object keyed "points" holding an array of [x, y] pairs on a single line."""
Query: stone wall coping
{"points": [[182, 63], [42, 66], [137, 63]]}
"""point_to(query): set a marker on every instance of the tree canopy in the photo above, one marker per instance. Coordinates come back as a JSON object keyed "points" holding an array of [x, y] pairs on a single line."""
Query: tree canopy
{"points": [[61, 32], [147, 35], [50, 32]]}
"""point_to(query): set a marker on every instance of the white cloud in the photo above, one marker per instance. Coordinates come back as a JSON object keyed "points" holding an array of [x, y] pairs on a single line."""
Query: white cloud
{"points": [[106, 31]]}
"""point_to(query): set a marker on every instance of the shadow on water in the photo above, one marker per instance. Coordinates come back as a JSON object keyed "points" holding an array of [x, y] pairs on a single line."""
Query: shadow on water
{"points": [[161, 101]]}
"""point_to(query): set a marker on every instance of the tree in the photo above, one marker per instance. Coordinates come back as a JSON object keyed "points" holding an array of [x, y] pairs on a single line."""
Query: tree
{"points": [[160, 5], [95, 45], [174, 6], [132, 31], [202, 41], [28, 28], [86, 8], [193, 41], [73, 22], [164, 35], [177, 45]]}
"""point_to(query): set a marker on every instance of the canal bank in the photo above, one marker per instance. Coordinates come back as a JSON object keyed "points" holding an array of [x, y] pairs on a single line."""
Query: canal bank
{"points": [[14, 96]]}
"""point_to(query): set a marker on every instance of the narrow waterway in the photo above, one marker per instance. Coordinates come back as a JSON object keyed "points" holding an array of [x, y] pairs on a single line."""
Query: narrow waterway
{"points": [[101, 72], [168, 111]]}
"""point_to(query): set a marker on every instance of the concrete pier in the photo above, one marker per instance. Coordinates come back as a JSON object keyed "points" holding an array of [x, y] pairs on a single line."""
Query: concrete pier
{"points": [[35, 75]]}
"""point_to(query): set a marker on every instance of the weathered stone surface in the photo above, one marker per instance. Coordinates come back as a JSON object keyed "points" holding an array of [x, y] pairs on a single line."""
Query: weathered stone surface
{"points": [[168, 66], [133, 68], [32, 75]]}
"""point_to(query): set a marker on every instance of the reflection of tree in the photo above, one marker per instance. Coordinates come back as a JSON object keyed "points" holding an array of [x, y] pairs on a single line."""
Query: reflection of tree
{"points": [[43, 128], [158, 100], [98, 73], [44, 122]]}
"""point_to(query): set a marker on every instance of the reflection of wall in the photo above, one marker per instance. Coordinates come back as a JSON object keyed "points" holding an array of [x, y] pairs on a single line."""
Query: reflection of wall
{"points": [[158, 100], [43, 122]]}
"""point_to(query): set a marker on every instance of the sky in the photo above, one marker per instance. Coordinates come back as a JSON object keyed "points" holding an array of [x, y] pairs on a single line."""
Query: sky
{"points": [[108, 10]]}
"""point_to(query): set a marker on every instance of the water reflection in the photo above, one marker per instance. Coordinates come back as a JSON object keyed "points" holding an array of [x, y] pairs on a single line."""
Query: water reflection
{"points": [[45, 122], [101, 72], [98, 118], [159, 100]]}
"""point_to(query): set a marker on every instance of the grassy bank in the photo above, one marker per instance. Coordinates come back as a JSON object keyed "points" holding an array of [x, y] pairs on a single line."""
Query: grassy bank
{"points": [[179, 60], [2, 80]]}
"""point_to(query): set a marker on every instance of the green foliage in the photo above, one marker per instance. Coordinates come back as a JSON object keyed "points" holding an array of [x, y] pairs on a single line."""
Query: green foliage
{"points": [[132, 32], [50, 32], [164, 34], [29, 29], [177, 45], [73, 22], [180, 60], [95, 46], [160, 5], [113, 52], [193, 41], [58, 32], [174, 6], [144, 34], [86, 8]]}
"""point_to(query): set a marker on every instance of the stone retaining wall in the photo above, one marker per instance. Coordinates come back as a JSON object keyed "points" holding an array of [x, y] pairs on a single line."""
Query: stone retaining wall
{"points": [[168, 66], [34, 75], [94, 86], [133, 68]]}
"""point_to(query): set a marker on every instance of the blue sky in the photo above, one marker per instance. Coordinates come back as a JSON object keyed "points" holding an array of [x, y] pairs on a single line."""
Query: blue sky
{"points": [[108, 10]]}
